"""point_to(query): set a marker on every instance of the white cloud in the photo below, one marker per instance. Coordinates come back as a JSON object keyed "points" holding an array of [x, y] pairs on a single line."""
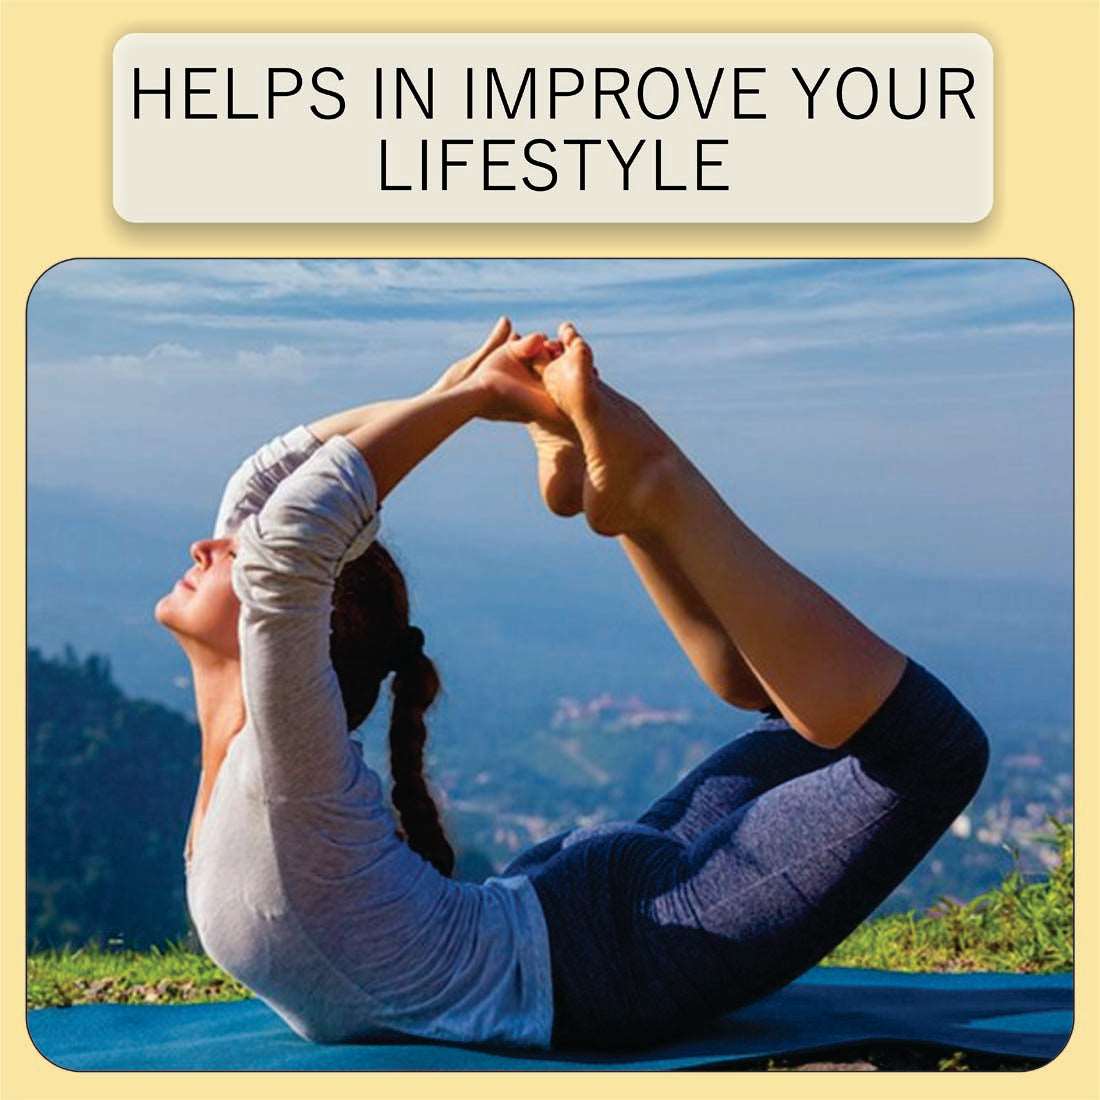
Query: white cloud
{"points": [[244, 282], [298, 318], [160, 357], [280, 361], [170, 362]]}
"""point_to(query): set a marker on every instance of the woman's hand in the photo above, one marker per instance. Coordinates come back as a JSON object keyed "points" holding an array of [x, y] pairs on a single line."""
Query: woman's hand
{"points": [[460, 370], [508, 386], [502, 374], [502, 386]]}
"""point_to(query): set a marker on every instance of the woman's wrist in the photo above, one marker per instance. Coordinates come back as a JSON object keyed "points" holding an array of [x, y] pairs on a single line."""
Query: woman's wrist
{"points": [[445, 381], [455, 375], [473, 393]]}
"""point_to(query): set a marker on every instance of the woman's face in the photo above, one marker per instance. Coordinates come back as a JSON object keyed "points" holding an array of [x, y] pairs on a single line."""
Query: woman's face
{"points": [[202, 606]]}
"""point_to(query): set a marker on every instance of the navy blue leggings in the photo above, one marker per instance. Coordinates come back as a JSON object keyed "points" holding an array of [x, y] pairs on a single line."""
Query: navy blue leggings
{"points": [[754, 867]]}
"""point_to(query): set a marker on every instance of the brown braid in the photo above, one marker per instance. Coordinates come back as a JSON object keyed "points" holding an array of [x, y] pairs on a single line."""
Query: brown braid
{"points": [[370, 630], [415, 686]]}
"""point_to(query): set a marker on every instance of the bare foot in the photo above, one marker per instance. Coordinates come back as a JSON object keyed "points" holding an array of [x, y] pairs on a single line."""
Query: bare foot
{"points": [[627, 457], [561, 469], [560, 457]]}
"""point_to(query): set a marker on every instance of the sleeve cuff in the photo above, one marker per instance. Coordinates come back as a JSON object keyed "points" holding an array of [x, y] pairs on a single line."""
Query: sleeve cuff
{"points": [[257, 477], [301, 439]]}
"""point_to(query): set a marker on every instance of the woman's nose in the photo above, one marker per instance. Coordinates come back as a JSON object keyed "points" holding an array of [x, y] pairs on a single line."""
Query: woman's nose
{"points": [[201, 551]]}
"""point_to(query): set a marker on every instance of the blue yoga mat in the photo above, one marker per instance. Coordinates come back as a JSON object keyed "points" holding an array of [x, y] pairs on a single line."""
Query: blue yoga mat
{"points": [[1019, 1014]]}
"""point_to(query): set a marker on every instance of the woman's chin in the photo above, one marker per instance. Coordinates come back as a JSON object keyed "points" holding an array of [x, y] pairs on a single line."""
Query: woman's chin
{"points": [[162, 611]]}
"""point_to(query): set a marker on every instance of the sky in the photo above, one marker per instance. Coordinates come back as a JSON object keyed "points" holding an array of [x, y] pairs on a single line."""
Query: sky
{"points": [[913, 416]]}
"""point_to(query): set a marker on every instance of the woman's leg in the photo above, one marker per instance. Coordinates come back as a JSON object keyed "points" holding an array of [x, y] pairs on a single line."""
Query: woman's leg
{"points": [[823, 668], [535, 856], [784, 879], [694, 625], [703, 639], [667, 932], [650, 936], [732, 776]]}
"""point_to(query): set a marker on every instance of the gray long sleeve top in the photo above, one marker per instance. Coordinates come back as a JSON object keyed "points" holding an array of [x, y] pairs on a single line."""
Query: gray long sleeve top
{"points": [[297, 882]]}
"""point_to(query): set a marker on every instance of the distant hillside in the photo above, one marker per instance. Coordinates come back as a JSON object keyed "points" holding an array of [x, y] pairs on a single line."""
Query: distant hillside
{"points": [[110, 783]]}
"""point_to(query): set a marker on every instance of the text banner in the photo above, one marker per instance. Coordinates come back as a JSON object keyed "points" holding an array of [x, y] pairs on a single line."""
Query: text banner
{"points": [[553, 128]]}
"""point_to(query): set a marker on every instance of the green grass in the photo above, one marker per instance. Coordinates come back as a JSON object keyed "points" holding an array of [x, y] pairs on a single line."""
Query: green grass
{"points": [[91, 974], [1017, 926]]}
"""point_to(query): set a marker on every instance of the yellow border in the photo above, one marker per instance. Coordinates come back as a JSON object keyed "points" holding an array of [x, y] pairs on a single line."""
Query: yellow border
{"points": [[57, 204]]}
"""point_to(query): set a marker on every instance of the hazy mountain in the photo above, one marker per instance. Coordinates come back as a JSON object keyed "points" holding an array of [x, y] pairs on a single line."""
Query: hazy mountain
{"points": [[110, 782]]}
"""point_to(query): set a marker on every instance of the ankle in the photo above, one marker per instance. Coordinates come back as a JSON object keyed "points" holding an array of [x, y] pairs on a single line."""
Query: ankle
{"points": [[657, 491]]}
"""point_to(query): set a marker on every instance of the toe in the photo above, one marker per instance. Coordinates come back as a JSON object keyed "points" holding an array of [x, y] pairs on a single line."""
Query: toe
{"points": [[581, 354], [571, 383], [567, 332]]}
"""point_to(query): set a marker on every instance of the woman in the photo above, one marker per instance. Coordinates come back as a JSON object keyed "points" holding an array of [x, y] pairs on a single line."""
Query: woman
{"points": [[743, 876]]}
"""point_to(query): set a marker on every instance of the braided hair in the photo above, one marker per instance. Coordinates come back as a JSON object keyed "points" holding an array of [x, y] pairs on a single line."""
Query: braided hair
{"points": [[371, 637]]}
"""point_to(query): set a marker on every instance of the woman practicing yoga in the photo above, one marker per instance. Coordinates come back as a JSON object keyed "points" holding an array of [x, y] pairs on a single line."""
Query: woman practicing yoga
{"points": [[739, 879]]}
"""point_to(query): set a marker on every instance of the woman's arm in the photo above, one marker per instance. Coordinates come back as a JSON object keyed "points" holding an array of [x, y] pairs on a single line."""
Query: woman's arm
{"points": [[406, 432], [290, 554], [502, 387], [253, 482], [347, 421], [288, 557]]}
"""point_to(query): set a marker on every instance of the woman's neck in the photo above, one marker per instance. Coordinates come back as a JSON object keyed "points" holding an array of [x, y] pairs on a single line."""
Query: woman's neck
{"points": [[219, 704]]}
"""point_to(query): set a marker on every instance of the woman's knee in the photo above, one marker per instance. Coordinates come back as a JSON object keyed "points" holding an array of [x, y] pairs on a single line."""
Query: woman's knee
{"points": [[971, 754], [958, 758], [924, 742], [961, 746]]}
